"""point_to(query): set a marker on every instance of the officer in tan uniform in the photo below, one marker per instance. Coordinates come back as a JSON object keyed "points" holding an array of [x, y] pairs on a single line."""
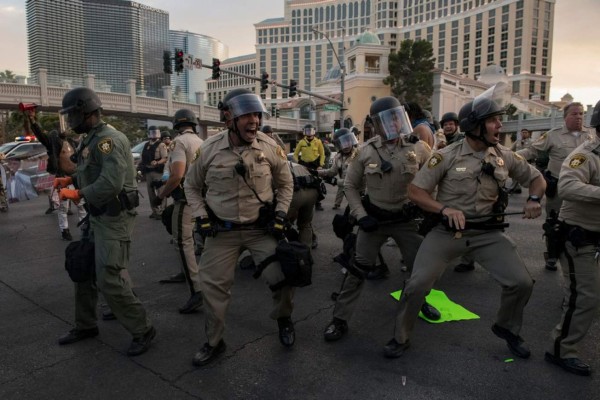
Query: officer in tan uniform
{"points": [[558, 143], [230, 188], [387, 163], [579, 187], [470, 176], [345, 142], [306, 195], [154, 157], [182, 153]]}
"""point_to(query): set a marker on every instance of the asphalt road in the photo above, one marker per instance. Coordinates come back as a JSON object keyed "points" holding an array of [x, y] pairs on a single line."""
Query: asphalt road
{"points": [[458, 360]]}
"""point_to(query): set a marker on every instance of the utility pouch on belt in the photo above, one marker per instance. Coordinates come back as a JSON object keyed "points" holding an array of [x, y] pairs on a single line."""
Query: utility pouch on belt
{"points": [[296, 264], [580, 237], [167, 216], [129, 200], [551, 184], [80, 261]]}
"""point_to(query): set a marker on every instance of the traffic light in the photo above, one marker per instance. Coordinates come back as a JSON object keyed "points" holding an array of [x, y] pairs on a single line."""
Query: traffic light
{"points": [[277, 113], [293, 88], [178, 60], [167, 67], [216, 68], [264, 81]]}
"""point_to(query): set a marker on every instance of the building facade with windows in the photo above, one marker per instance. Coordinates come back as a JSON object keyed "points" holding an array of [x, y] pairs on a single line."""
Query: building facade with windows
{"points": [[113, 40], [467, 36]]}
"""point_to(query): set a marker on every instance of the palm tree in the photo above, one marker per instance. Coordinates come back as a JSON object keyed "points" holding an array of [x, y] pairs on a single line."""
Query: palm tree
{"points": [[7, 76]]}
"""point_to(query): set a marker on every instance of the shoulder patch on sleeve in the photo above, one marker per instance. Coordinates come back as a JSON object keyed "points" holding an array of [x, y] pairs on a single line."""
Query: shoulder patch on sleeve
{"points": [[577, 160], [172, 146], [105, 145], [197, 154], [542, 137], [280, 153], [435, 160]]}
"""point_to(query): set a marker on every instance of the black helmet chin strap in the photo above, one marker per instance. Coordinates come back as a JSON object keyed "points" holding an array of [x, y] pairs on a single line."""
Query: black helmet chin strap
{"points": [[481, 137], [237, 133]]}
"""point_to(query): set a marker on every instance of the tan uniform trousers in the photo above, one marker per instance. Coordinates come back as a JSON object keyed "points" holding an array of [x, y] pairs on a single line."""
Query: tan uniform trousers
{"points": [[339, 195], [217, 268], [581, 285], [152, 176], [112, 279], [182, 225], [367, 248], [493, 250], [301, 211]]}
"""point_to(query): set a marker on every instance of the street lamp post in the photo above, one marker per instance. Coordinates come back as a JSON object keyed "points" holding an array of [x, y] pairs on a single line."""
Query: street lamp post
{"points": [[342, 69]]}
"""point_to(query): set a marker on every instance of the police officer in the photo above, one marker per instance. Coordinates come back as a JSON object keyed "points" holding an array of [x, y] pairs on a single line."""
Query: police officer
{"points": [[478, 165], [154, 157], [557, 143], [579, 187], [165, 137], [387, 163], [105, 178], [306, 195], [451, 135], [183, 151], [267, 130], [345, 142], [230, 188], [310, 152]]}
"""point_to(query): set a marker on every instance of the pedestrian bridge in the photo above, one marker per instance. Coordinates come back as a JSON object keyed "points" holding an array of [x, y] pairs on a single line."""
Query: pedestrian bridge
{"points": [[125, 104]]}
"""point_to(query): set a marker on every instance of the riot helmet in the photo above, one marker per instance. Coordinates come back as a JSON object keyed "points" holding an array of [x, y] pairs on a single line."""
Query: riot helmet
{"points": [[449, 116], [309, 130], [595, 121], [344, 139], [239, 102], [267, 129], [184, 117], [389, 118], [486, 105], [153, 133], [165, 135], [78, 104]]}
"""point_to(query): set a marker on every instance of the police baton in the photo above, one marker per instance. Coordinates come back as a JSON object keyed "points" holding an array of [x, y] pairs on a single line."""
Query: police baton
{"points": [[471, 217]]}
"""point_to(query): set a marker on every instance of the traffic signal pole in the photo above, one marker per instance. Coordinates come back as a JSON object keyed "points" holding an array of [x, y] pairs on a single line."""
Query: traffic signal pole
{"points": [[275, 83]]}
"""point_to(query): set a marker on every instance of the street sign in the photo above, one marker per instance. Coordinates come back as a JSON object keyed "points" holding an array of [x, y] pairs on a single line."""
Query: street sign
{"points": [[331, 107], [198, 63], [188, 61]]}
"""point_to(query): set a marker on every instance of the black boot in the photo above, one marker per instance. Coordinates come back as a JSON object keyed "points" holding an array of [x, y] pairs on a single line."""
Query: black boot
{"points": [[287, 334], [335, 330]]}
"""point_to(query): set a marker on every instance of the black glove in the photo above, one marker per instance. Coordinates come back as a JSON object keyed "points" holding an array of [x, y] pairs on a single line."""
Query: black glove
{"points": [[157, 201], [279, 225], [368, 224], [205, 227]]}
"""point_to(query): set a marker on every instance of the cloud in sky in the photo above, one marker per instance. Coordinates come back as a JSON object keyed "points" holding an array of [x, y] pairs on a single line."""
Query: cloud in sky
{"points": [[575, 61]]}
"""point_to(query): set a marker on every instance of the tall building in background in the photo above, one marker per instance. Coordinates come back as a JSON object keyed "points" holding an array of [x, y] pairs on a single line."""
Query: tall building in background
{"points": [[467, 36], [189, 82], [114, 40]]}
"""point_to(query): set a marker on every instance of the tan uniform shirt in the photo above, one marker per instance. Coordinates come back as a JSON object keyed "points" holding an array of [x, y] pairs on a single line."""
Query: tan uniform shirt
{"points": [[227, 195], [184, 148], [456, 170], [558, 143], [579, 186], [339, 165], [387, 190]]}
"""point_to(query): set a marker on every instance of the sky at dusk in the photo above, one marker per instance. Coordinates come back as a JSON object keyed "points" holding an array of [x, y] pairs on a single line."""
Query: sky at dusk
{"points": [[575, 61]]}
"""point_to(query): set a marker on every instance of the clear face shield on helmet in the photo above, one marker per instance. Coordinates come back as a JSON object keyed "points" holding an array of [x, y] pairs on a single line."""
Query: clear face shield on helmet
{"points": [[246, 104], [153, 134], [491, 102], [345, 142], [392, 124], [309, 131]]}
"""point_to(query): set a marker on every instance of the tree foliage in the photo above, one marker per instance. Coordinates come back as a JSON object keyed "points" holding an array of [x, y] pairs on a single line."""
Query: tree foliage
{"points": [[411, 72], [7, 76]]}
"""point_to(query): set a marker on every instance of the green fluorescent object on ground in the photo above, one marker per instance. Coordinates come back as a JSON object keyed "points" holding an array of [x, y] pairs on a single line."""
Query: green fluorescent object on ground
{"points": [[450, 310]]}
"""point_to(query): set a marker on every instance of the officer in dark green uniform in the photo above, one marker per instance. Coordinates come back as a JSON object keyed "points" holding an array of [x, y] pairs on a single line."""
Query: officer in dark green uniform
{"points": [[105, 178]]}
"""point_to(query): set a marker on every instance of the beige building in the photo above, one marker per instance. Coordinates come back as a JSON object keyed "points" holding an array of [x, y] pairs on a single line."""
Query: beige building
{"points": [[313, 37]]}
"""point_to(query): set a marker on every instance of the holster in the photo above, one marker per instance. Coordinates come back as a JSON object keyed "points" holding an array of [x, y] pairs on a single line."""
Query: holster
{"points": [[579, 236], [551, 184], [556, 235]]}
